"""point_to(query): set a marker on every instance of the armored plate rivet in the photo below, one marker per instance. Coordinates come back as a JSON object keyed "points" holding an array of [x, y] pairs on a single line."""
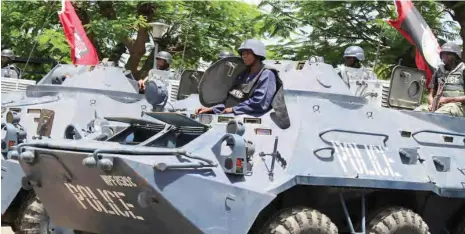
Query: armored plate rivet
{"points": [[105, 164], [230, 198], [25, 184], [316, 108], [145, 199], [370, 114], [160, 166], [89, 162], [92, 102], [27, 156], [13, 154]]}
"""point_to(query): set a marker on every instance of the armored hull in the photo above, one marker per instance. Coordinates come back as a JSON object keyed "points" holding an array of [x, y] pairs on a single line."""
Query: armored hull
{"points": [[350, 164]]}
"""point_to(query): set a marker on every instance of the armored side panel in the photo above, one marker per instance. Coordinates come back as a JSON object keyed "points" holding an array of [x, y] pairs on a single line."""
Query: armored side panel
{"points": [[376, 91], [63, 70], [12, 175], [189, 83], [406, 88], [283, 65]]}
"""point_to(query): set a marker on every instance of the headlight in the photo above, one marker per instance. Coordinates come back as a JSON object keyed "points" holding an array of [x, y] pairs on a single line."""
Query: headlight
{"points": [[12, 117], [97, 124]]}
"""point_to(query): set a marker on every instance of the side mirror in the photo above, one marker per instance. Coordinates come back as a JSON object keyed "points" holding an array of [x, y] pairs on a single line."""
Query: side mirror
{"points": [[406, 88]]}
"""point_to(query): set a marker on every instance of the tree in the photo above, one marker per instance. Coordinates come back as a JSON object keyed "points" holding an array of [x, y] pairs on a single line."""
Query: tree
{"points": [[336, 25], [197, 29], [456, 9]]}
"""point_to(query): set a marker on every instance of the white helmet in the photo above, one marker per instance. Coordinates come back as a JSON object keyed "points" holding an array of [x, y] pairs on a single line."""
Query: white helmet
{"points": [[257, 47]]}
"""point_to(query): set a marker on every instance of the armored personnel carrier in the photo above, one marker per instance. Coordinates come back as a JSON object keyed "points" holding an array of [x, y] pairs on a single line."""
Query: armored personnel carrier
{"points": [[68, 103], [320, 161]]}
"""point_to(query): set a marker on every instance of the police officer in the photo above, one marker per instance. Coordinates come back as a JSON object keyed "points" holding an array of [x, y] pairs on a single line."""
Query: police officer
{"points": [[225, 54], [255, 88], [353, 69], [452, 100], [164, 60], [9, 70]]}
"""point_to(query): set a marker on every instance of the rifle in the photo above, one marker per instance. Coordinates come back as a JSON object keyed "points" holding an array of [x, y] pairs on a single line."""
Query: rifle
{"points": [[435, 104]]}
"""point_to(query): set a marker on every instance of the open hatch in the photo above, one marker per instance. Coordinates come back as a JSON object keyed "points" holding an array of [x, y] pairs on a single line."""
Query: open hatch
{"points": [[407, 86], [167, 130], [189, 83]]}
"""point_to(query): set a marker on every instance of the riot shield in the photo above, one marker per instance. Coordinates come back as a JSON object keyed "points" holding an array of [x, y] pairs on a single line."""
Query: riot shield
{"points": [[218, 79]]}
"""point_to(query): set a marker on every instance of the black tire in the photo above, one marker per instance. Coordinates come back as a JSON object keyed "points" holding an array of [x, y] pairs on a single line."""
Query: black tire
{"points": [[32, 218], [299, 220], [460, 229], [397, 220]]}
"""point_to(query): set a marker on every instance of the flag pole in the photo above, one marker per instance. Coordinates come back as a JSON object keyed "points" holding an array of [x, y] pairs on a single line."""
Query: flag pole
{"points": [[62, 7]]}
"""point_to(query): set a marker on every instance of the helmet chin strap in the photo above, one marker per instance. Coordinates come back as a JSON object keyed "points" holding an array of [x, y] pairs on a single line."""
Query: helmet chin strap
{"points": [[256, 65]]}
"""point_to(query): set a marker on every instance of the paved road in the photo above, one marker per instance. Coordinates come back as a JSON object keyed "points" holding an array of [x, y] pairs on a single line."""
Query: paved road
{"points": [[6, 230]]}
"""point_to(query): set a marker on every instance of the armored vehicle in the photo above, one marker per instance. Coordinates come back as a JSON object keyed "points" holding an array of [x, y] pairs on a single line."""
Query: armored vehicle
{"points": [[320, 161], [68, 103]]}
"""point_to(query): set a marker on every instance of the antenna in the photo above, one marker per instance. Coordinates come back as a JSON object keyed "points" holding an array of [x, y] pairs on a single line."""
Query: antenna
{"points": [[41, 31], [377, 49], [62, 6], [185, 40]]}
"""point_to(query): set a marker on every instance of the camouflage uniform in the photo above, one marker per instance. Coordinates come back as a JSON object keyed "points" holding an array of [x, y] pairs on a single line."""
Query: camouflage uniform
{"points": [[454, 85]]}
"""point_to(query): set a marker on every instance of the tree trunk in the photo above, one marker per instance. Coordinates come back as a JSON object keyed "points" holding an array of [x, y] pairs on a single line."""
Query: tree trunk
{"points": [[138, 47], [148, 64]]}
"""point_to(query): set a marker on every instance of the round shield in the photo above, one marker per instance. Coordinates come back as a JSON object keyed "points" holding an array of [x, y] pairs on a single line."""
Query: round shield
{"points": [[218, 80]]}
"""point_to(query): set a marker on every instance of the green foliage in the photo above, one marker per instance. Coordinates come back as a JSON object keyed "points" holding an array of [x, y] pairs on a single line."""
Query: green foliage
{"points": [[201, 29], [336, 25], [204, 27]]}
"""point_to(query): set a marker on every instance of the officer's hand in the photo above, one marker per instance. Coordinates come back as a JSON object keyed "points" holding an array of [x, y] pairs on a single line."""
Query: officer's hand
{"points": [[141, 85], [228, 110], [444, 100], [203, 110]]}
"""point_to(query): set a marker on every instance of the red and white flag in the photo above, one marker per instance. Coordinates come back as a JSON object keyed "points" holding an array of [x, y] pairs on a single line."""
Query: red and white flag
{"points": [[82, 50], [414, 28]]}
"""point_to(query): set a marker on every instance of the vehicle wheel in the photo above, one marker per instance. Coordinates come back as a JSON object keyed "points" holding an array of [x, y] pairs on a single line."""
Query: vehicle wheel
{"points": [[397, 220], [32, 217], [299, 220], [460, 229]]}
